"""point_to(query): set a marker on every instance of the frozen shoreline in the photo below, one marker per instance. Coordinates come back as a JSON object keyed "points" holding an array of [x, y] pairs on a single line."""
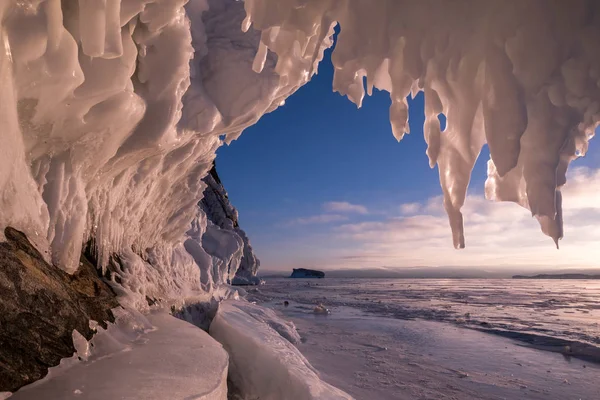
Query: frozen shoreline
{"points": [[545, 316], [250, 353], [385, 358], [370, 355]]}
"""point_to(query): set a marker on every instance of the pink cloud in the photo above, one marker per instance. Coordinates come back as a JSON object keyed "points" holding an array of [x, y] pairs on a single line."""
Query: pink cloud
{"points": [[344, 207]]}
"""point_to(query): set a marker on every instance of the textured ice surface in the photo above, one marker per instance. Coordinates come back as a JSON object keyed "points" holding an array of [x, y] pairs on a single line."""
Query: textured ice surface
{"points": [[112, 110], [374, 357], [554, 315], [264, 364], [111, 115], [157, 358]]}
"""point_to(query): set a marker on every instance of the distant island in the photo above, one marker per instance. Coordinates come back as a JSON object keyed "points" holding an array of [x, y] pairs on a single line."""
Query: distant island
{"points": [[557, 276], [307, 273]]}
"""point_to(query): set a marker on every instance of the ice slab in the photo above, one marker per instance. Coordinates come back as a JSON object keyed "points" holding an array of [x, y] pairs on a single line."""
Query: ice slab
{"points": [[264, 365], [174, 360]]}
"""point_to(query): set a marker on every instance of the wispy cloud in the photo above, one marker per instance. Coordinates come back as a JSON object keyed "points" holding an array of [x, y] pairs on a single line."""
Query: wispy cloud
{"points": [[318, 219], [344, 207], [410, 208], [496, 233]]}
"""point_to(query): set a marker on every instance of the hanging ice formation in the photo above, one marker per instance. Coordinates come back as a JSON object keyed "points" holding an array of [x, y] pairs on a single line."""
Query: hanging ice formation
{"points": [[112, 110]]}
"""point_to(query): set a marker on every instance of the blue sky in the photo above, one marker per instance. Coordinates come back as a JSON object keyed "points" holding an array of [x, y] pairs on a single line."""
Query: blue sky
{"points": [[320, 183]]}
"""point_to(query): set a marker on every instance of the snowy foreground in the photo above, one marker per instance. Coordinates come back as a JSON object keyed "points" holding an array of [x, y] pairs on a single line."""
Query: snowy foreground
{"points": [[160, 357]]}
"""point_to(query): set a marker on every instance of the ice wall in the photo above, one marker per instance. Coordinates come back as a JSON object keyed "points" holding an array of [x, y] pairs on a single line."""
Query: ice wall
{"points": [[111, 114], [112, 110], [521, 76]]}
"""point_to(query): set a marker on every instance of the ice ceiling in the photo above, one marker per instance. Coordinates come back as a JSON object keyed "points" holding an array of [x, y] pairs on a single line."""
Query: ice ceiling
{"points": [[112, 110]]}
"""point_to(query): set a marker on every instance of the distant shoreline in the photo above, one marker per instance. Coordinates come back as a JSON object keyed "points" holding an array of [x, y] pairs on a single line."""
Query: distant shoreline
{"points": [[557, 276]]}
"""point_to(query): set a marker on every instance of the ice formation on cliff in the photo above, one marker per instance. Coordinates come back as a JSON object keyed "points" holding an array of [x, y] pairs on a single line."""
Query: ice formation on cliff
{"points": [[238, 261], [112, 110]]}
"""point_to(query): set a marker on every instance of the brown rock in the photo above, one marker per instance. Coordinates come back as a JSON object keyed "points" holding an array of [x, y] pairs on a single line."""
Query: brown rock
{"points": [[40, 305]]}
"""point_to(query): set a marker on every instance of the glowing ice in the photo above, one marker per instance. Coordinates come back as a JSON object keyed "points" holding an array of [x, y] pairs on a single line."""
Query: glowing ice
{"points": [[111, 115], [112, 111]]}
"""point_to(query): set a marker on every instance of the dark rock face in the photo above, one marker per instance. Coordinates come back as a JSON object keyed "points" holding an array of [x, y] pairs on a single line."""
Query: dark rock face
{"points": [[40, 306], [307, 273]]}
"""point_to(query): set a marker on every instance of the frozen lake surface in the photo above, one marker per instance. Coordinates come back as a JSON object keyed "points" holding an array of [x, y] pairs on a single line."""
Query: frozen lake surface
{"points": [[430, 339]]}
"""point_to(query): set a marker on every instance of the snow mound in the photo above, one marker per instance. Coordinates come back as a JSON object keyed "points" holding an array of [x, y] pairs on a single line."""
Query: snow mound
{"points": [[154, 359], [263, 364]]}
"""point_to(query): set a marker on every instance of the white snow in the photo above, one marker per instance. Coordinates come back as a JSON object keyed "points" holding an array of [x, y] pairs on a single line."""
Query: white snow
{"points": [[264, 364], [157, 358], [112, 111]]}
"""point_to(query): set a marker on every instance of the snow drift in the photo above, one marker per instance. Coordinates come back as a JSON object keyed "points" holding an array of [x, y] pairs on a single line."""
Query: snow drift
{"points": [[112, 111]]}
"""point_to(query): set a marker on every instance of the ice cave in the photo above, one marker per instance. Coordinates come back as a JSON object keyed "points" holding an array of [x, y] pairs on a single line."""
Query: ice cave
{"points": [[112, 111]]}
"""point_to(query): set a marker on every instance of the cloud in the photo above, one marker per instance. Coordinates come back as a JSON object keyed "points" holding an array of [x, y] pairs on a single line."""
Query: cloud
{"points": [[410, 208], [344, 207], [319, 219], [496, 233]]}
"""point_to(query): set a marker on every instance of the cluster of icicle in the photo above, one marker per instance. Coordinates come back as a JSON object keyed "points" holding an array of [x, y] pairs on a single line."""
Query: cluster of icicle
{"points": [[112, 110], [521, 76]]}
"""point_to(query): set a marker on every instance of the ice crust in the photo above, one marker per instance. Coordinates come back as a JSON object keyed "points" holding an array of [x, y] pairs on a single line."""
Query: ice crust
{"points": [[153, 357], [112, 111], [263, 364]]}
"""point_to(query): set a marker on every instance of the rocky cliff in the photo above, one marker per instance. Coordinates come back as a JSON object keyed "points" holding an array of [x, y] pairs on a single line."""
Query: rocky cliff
{"points": [[223, 226]]}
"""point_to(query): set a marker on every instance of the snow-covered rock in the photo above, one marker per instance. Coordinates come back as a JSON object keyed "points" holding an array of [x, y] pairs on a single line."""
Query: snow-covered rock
{"points": [[263, 364], [155, 359], [40, 307]]}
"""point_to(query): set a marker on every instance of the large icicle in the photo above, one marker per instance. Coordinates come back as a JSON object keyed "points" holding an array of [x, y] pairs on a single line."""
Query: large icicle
{"points": [[521, 76]]}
